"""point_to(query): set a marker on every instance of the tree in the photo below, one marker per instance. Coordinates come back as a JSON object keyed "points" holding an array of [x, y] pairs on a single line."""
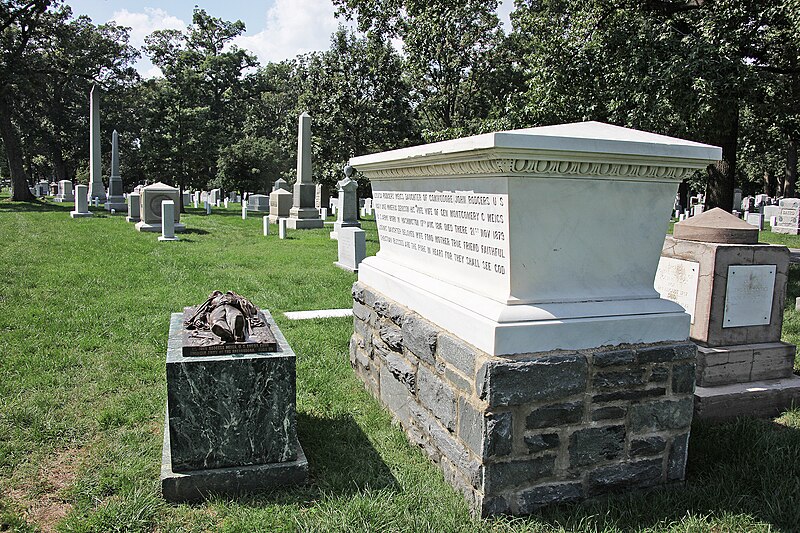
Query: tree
{"points": [[358, 100], [682, 68], [202, 81], [457, 65], [19, 23]]}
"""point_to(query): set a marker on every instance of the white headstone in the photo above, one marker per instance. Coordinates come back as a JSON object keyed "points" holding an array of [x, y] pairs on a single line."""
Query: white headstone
{"points": [[352, 248], [81, 203], [168, 221], [134, 207], [265, 221], [346, 214], [244, 212], [282, 228], [208, 207], [65, 192], [755, 219]]}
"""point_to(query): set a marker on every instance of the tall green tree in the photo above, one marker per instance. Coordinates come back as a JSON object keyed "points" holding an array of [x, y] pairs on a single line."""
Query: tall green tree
{"points": [[457, 65], [197, 96], [20, 22], [672, 66], [359, 101]]}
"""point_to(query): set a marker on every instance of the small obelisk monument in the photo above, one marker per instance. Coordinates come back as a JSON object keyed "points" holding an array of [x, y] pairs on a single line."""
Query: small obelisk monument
{"points": [[303, 214], [96, 188], [115, 198]]}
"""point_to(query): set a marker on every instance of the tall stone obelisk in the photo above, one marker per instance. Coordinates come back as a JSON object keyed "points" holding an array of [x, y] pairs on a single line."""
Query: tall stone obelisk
{"points": [[115, 198], [96, 188], [303, 214]]}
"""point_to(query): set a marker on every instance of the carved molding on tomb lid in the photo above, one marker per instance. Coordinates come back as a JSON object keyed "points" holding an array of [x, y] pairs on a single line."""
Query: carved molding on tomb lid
{"points": [[533, 167]]}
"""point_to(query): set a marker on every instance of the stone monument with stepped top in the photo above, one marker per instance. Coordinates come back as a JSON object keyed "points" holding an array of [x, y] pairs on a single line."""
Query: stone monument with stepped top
{"points": [[734, 289], [304, 214]]}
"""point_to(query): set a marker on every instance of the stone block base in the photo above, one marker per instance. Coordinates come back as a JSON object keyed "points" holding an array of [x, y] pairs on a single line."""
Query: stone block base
{"points": [[345, 267], [785, 229], [763, 399], [117, 206], [200, 484], [724, 365], [520, 432], [304, 223], [156, 228], [78, 214], [133, 219], [62, 200], [334, 235]]}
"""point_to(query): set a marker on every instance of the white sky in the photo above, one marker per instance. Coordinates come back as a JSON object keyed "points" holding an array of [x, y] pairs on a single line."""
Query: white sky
{"points": [[276, 29]]}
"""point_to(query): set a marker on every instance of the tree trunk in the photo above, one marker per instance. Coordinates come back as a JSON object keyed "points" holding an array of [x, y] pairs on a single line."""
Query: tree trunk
{"points": [[19, 181], [769, 184], [721, 175], [790, 175]]}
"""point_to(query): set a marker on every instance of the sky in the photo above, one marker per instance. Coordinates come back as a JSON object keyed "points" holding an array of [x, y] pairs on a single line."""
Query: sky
{"points": [[276, 29]]}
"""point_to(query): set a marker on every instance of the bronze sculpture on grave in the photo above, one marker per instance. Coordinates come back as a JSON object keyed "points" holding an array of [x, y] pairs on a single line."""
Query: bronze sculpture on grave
{"points": [[226, 323]]}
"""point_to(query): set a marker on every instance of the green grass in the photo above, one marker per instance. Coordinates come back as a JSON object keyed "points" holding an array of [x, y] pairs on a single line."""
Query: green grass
{"points": [[84, 308]]}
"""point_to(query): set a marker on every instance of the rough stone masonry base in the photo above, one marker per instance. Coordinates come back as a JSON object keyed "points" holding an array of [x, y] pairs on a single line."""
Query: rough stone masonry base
{"points": [[519, 432]]}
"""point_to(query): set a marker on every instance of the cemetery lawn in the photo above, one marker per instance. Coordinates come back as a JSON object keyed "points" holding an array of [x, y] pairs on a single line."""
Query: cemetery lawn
{"points": [[84, 312]]}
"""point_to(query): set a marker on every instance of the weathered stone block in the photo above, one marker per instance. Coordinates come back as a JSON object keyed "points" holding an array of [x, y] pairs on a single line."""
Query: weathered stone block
{"points": [[390, 310], [542, 442], [624, 476], [613, 358], [661, 415], [608, 413], [619, 380], [457, 353], [532, 499], [499, 435], [659, 374], [665, 354], [629, 395], [457, 381], [419, 337], [402, 371], [395, 395], [391, 335], [549, 377], [593, 445], [456, 452], [676, 467], [500, 477], [436, 396], [471, 426], [683, 378], [361, 311], [647, 446], [555, 415]]}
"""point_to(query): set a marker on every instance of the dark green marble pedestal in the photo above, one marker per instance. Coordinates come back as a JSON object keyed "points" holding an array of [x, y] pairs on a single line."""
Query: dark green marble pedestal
{"points": [[200, 484], [230, 424]]}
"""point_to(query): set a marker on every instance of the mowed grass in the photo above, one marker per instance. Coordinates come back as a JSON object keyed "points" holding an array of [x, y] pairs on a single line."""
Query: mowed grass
{"points": [[84, 309]]}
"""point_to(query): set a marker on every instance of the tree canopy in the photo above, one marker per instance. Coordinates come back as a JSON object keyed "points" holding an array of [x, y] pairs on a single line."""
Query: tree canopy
{"points": [[725, 72]]}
